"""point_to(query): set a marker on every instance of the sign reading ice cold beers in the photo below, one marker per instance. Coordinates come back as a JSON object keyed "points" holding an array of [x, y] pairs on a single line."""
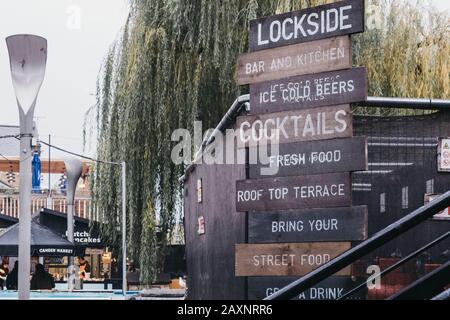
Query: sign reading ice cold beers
{"points": [[316, 90], [298, 59], [312, 157], [313, 191], [294, 126], [286, 259], [335, 19]]}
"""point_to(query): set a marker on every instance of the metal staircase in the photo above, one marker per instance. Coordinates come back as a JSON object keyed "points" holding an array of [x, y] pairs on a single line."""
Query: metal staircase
{"points": [[430, 286]]}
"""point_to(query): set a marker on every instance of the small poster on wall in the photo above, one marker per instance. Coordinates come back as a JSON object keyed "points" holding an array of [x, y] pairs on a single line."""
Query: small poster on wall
{"points": [[444, 155]]}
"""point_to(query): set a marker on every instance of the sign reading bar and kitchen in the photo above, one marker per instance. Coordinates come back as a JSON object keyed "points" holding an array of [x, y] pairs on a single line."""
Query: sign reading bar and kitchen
{"points": [[298, 59], [309, 225], [286, 259], [312, 157], [315, 90], [313, 191], [294, 126], [328, 289], [331, 20]]}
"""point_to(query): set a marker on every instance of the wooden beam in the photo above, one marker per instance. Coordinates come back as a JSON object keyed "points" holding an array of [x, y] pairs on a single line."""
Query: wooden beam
{"points": [[56, 166]]}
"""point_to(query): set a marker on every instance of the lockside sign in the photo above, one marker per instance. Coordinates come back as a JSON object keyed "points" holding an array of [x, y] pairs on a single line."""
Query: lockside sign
{"points": [[309, 91], [299, 192], [286, 259], [326, 21], [298, 59], [312, 157], [309, 225]]}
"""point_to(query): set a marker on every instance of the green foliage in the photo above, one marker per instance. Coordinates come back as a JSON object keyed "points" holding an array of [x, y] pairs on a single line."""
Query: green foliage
{"points": [[175, 63]]}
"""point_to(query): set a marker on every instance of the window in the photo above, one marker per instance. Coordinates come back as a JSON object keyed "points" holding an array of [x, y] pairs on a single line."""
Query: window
{"points": [[430, 186], [405, 198], [382, 202]]}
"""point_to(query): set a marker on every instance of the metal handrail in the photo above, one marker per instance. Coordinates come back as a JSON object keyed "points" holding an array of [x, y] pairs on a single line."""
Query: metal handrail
{"points": [[385, 235], [394, 266]]}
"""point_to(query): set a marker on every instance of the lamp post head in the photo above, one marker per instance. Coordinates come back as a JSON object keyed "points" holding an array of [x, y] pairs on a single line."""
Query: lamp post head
{"points": [[28, 59], [74, 168]]}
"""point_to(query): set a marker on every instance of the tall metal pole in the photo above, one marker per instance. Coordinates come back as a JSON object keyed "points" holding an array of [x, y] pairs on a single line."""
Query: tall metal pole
{"points": [[28, 58], [74, 168], [124, 229], [26, 135]]}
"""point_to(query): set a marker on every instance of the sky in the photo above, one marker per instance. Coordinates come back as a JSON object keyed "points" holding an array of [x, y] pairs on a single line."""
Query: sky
{"points": [[79, 34]]}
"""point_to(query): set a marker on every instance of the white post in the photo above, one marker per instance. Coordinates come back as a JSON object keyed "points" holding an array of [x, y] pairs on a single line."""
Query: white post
{"points": [[26, 129], [27, 58], [124, 229], [74, 168]]}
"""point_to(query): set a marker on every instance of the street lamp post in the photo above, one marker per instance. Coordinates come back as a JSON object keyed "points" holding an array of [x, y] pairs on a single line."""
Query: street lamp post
{"points": [[74, 168], [28, 58]]}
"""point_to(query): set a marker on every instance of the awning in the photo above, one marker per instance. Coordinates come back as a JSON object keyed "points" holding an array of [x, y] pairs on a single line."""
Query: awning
{"points": [[44, 242]]}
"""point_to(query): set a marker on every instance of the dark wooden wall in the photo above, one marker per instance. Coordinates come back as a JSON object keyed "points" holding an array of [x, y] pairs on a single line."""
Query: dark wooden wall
{"points": [[210, 257], [412, 140]]}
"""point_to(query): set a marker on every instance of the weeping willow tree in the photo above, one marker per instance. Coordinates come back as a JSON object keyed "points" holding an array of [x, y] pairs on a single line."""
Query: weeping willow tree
{"points": [[175, 63]]}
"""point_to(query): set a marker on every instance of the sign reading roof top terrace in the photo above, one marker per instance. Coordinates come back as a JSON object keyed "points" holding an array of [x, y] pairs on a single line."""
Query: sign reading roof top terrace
{"points": [[335, 19], [313, 191]]}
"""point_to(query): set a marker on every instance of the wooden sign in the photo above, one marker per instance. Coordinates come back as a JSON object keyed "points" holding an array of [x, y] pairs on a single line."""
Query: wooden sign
{"points": [[331, 20], [315, 90], [313, 157], [334, 224], [298, 59], [314, 191], [286, 259], [294, 126], [329, 289]]}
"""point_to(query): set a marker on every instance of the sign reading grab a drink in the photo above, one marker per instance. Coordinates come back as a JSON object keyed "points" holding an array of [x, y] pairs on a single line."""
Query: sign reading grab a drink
{"points": [[336, 19]]}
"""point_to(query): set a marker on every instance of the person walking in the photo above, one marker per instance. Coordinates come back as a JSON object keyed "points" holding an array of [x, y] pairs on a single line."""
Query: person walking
{"points": [[42, 280], [4, 270], [12, 278]]}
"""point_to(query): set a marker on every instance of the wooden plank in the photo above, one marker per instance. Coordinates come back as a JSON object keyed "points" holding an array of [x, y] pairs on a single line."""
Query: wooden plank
{"points": [[286, 259], [313, 157], [309, 91], [334, 224], [298, 59], [295, 126], [331, 20], [314, 191], [328, 289]]}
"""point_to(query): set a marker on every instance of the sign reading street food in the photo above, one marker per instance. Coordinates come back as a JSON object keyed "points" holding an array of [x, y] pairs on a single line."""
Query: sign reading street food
{"points": [[294, 126], [298, 59], [313, 191], [329, 289], [312, 157], [333, 224], [331, 20], [316, 90], [286, 259]]}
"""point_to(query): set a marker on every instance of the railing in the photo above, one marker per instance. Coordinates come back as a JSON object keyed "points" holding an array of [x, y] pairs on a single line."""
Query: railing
{"points": [[9, 205], [376, 241]]}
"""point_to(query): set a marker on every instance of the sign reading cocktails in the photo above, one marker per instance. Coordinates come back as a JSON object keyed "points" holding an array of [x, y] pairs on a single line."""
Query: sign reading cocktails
{"points": [[331, 20]]}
